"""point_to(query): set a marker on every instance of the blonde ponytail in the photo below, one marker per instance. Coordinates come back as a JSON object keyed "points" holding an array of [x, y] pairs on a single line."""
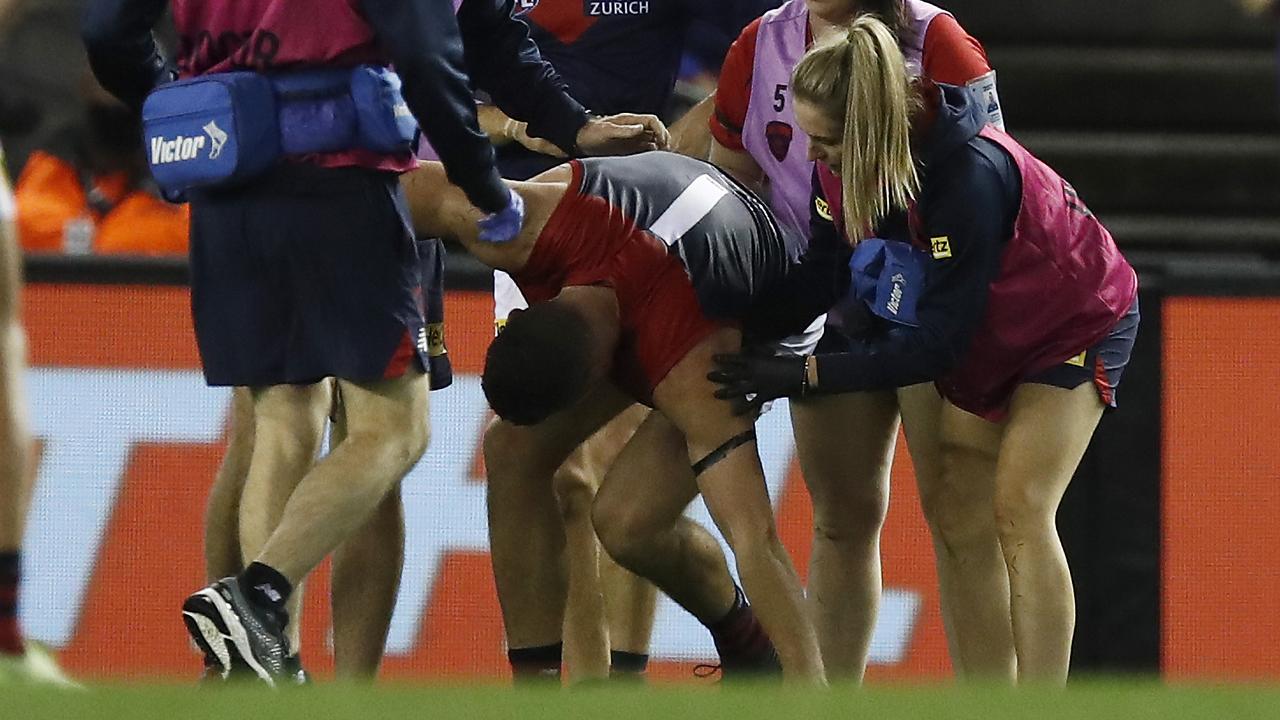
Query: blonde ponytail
{"points": [[860, 78]]}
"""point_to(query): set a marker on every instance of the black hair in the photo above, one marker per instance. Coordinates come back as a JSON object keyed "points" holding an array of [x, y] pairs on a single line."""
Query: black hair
{"points": [[539, 364]]}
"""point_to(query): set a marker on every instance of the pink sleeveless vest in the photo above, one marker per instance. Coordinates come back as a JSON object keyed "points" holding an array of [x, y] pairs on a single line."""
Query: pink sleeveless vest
{"points": [[1063, 285], [227, 35], [769, 132]]}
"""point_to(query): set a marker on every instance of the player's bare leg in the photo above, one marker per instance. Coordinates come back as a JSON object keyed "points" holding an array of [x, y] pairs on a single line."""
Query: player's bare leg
{"points": [[387, 432], [366, 578], [526, 529], [958, 502], [20, 661], [734, 490], [845, 446], [288, 428], [639, 517], [222, 556], [731, 481], [1046, 434], [630, 604], [587, 625]]}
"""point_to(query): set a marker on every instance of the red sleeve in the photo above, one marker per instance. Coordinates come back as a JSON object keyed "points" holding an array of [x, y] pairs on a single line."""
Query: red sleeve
{"points": [[734, 89], [951, 55]]}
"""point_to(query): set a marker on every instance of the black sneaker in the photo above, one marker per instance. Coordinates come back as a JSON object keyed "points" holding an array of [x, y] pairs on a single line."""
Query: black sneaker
{"points": [[234, 634], [294, 673]]}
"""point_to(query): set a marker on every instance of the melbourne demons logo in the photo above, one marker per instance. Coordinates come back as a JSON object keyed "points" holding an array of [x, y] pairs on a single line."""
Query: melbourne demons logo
{"points": [[778, 134]]}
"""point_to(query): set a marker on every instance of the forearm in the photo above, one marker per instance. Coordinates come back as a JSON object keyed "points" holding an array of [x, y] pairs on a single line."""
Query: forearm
{"points": [[422, 39], [505, 63], [690, 135]]}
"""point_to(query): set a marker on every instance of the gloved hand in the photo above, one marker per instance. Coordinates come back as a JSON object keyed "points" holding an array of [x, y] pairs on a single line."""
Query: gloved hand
{"points": [[504, 225], [748, 381]]}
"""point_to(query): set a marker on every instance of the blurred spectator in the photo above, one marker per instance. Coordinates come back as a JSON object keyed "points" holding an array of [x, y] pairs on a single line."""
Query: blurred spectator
{"points": [[88, 190]]}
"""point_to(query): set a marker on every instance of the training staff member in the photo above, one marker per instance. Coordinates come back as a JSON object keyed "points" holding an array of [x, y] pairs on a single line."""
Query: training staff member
{"points": [[1025, 317], [308, 271]]}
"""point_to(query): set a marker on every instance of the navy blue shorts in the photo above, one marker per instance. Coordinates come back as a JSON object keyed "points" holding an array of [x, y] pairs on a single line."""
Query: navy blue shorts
{"points": [[306, 273], [1103, 364]]}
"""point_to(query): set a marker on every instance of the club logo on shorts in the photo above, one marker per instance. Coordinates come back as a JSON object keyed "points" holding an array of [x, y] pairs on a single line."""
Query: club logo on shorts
{"points": [[824, 210], [941, 247], [778, 134], [1078, 360]]}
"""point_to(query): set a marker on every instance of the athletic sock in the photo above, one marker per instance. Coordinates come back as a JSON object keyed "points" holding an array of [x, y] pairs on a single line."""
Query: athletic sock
{"points": [[739, 635], [265, 587], [627, 665], [10, 576], [536, 664]]}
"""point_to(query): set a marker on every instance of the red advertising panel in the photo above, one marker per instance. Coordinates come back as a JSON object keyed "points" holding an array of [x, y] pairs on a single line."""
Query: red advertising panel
{"points": [[1221, 488], [130, 439]]}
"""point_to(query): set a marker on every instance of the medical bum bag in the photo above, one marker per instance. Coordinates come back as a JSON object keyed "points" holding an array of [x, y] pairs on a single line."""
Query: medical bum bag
{"points": [[224, 128]]}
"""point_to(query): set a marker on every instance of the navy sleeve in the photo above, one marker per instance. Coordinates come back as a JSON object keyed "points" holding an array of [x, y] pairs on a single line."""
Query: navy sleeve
{"points": [[967, 209], [814, 285], [122, 51], [506, 64], [424, 43]]}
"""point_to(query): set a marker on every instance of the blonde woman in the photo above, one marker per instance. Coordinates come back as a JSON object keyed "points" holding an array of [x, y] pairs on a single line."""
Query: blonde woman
{"points": [[1024, 316], [758, 140]]}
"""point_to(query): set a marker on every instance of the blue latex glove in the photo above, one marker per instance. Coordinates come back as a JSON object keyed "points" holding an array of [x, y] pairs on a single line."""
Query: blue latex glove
{"points": [[504, 225]]}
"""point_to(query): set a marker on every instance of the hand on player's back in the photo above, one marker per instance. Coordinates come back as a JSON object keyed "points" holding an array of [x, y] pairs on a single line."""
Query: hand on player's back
{"points": [[623, 134]]}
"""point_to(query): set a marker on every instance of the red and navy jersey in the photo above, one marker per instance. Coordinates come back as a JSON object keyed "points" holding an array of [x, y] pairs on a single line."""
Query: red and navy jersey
{"points": [[685, 249], [618, 55], [724, 236]]}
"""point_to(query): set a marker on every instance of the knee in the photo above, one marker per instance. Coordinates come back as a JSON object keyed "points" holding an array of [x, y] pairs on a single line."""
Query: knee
{"points": [[574, 492], [621, 533], [513, 451], [1020, 516], [854, 518]]}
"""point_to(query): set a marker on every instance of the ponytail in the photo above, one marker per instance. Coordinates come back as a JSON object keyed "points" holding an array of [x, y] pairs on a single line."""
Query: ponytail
{"points": [[860, 77]]}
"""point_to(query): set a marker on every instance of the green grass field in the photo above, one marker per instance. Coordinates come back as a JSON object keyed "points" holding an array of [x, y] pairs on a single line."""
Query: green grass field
{"points": [[1086, 701]]}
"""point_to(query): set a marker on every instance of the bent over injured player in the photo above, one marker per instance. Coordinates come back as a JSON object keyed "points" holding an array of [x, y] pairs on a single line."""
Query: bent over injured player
{"points": [[636, 270]]}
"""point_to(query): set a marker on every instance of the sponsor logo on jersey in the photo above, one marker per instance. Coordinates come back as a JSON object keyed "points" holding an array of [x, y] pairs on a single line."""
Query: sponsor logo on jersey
{"points": [[778, 134], [607, 8], [824, 210], [1078, 360], [179, 149], [941, 247]]}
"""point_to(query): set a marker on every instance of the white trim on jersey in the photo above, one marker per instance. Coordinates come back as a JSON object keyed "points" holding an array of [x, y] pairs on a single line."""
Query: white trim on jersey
{"points": [[695, 203]]}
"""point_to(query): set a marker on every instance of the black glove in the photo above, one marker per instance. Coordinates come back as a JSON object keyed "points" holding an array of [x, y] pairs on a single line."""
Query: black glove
{"points": [[750, 381]]}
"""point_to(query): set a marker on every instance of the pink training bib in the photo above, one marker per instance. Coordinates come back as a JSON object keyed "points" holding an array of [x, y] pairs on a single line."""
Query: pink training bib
{"points": [[769, 131]]}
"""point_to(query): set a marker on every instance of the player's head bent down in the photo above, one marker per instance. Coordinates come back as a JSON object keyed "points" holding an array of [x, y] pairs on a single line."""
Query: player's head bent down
{"points": [[541, 363]]}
